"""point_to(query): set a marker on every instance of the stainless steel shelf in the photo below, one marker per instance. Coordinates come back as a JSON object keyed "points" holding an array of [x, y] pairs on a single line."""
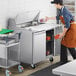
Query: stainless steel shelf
{"points": [[13, 44], [9, 64]]}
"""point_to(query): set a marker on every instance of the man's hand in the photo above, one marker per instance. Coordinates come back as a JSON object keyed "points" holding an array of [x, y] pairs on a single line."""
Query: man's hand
{"points": [[61, 35], [49, 18]]}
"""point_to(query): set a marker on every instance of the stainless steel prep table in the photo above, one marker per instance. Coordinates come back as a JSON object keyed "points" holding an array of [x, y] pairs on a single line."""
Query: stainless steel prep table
{"points": [[68, 69], [33, 43], [34, 46]]}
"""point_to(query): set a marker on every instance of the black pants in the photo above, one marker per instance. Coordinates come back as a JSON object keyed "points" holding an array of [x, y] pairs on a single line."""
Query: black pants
{"points": [[63, 56]]}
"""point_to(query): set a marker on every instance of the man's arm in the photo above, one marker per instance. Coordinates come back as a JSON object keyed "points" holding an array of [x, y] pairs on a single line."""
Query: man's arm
{"points": [[67, 25], [49, 18], [63, 33]]}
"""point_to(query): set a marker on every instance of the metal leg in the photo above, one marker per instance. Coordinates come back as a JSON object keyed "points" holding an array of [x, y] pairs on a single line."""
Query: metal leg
{"points": [[20, 68], [33, 66], [51, 59], [7, 73]]}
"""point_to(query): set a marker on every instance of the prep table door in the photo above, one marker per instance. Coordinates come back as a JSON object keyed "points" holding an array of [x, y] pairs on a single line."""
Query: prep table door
{"points": [[39, 46]]}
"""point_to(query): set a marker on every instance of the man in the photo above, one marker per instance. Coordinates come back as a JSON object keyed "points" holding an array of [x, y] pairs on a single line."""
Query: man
{"points": [[69, 32]]}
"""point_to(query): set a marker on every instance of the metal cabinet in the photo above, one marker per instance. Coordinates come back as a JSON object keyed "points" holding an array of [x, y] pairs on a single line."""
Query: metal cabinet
{"points": [[39, 46], [33, 46], [26, 46]]}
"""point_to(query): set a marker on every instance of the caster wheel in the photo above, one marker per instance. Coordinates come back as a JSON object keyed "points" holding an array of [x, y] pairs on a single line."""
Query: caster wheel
{"points": [[8, 73], [51, 59], [20, 68], [33, 66]]}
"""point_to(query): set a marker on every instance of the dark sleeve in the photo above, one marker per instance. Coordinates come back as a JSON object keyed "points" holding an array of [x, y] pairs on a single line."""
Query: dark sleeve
{"points": [[67, 20], [58, 15]]}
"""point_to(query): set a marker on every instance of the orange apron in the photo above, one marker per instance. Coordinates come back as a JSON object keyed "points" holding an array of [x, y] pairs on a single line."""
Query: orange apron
{"points": [[69, 40]]}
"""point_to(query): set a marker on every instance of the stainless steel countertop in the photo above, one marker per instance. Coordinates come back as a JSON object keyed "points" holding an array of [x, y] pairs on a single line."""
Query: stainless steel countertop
{"points": [[42, 27]]}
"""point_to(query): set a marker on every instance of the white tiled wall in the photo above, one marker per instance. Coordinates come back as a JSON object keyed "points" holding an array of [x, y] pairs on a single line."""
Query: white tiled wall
{"points": [[12, 7], [3, 12]]}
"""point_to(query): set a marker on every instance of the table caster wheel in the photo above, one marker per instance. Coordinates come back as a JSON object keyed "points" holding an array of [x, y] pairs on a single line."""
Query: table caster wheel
{"points": [[20, 68], [8, 73], [51, 59], [33, 66]]}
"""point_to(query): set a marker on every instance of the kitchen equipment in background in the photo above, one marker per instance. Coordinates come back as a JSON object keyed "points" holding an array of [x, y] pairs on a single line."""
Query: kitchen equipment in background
{"points": [[10, 52], [34, 44], [67, 69], [27, 17]]}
